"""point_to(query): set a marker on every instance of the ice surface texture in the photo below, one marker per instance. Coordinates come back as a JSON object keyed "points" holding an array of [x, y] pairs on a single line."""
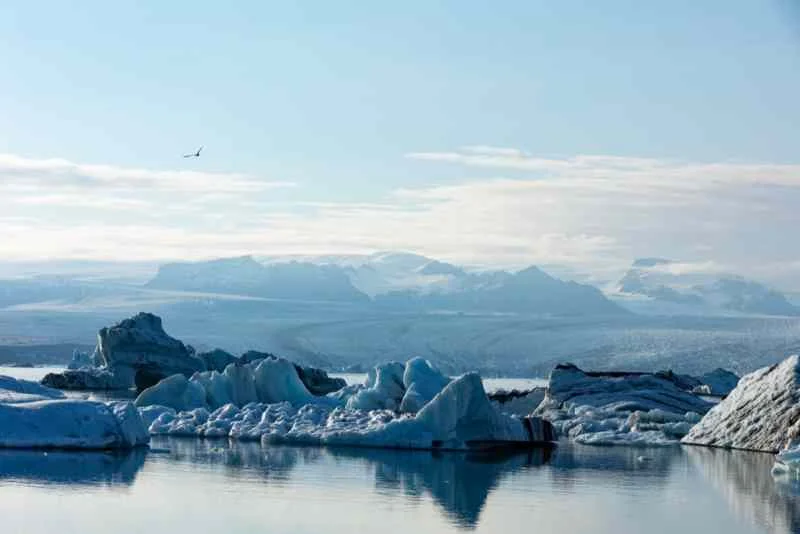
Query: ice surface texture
{"points": [[457, 416], [762, 413], [619, 408], [33, 416]]}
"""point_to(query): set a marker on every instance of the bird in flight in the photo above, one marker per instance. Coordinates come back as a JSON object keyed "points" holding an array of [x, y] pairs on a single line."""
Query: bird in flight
{"points": [[194, 154]]}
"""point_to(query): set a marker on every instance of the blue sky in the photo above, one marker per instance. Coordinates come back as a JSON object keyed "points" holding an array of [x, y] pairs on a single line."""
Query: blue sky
{"points": [[335, 110]]}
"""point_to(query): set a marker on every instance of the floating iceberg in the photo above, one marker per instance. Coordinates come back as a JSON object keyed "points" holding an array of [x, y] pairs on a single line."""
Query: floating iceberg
{"points": [[134, 352], [762, 413], [611, 408], [35, 416], [138, 352], [460, 416], [71, 424], [267, 381]]}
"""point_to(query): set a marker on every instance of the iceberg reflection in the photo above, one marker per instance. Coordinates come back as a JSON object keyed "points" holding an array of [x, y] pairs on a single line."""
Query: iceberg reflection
{"points": [[744, 479], [458, 482], [89, 468]]}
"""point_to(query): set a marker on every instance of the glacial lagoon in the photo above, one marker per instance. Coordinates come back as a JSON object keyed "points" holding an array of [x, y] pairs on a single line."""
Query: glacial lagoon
{"points": [[193, 485]]}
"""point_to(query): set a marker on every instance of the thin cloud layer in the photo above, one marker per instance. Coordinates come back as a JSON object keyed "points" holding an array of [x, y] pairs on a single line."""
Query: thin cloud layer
{"points": [[592, 214]]}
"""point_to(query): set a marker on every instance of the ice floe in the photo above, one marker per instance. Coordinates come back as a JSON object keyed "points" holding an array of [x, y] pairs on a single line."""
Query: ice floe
{"points": [[612, 408]]}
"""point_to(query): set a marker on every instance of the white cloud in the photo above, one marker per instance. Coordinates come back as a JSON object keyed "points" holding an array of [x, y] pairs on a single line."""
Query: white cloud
{"points": [[50, 174], [591, 214]]}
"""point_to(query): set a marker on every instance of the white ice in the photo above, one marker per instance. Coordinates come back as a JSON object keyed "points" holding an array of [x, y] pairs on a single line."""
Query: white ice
{"points": [[459, 414], [625, 409]]}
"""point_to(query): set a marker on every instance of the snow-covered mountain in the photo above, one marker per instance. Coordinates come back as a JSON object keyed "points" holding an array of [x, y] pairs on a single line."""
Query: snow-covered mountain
{"points": [[661, 285], [384, 272], [394, 281], [246, 276]]}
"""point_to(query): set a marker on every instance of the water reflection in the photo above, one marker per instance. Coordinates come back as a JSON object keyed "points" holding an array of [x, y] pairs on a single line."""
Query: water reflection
{"points": [[70, 468], [458, 482], [239, 459], [624, 466], [744, 479]]}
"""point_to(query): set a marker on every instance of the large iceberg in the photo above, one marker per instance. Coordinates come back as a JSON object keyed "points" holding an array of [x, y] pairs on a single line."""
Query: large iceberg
{"points": [[268, 381], [606, 408], [460, 416], [134, 352], [761, 414], [34, 416], [138, 352]]}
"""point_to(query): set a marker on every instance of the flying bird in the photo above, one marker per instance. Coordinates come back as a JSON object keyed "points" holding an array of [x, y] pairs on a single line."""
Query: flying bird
{"points": [[194, 154]]}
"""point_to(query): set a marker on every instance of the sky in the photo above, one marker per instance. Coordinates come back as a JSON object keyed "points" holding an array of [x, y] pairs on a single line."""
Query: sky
{"points": [[578, 135]]}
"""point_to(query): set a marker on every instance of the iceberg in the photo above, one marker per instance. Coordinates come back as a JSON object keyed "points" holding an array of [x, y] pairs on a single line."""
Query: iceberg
{"points": [[35, 416], [175, 392], [608, 408], [71, 424], [134, 352], [459, 417], [271, 380], [761, 414]]}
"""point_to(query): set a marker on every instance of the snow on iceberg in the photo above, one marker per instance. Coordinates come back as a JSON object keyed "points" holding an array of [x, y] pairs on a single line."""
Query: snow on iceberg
{"points": [[458, 417], [607, 408], [35, 416], [762, 413], [71, 424]]}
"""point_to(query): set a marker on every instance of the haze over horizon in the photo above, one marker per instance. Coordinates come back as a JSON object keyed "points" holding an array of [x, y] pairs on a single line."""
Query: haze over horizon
{"points": [[533, 134]]}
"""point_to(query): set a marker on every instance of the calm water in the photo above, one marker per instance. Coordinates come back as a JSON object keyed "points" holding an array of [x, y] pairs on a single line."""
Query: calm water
{"points": [[187, 485], [198, 486]]}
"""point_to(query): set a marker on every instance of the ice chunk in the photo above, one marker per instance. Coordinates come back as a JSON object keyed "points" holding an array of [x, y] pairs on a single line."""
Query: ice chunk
{"points": [[153, 412], [276, 380], [384, 389], [71, 424], [176, 392], [459, 417], [216, 386], [618, 407], [422, 383]]}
